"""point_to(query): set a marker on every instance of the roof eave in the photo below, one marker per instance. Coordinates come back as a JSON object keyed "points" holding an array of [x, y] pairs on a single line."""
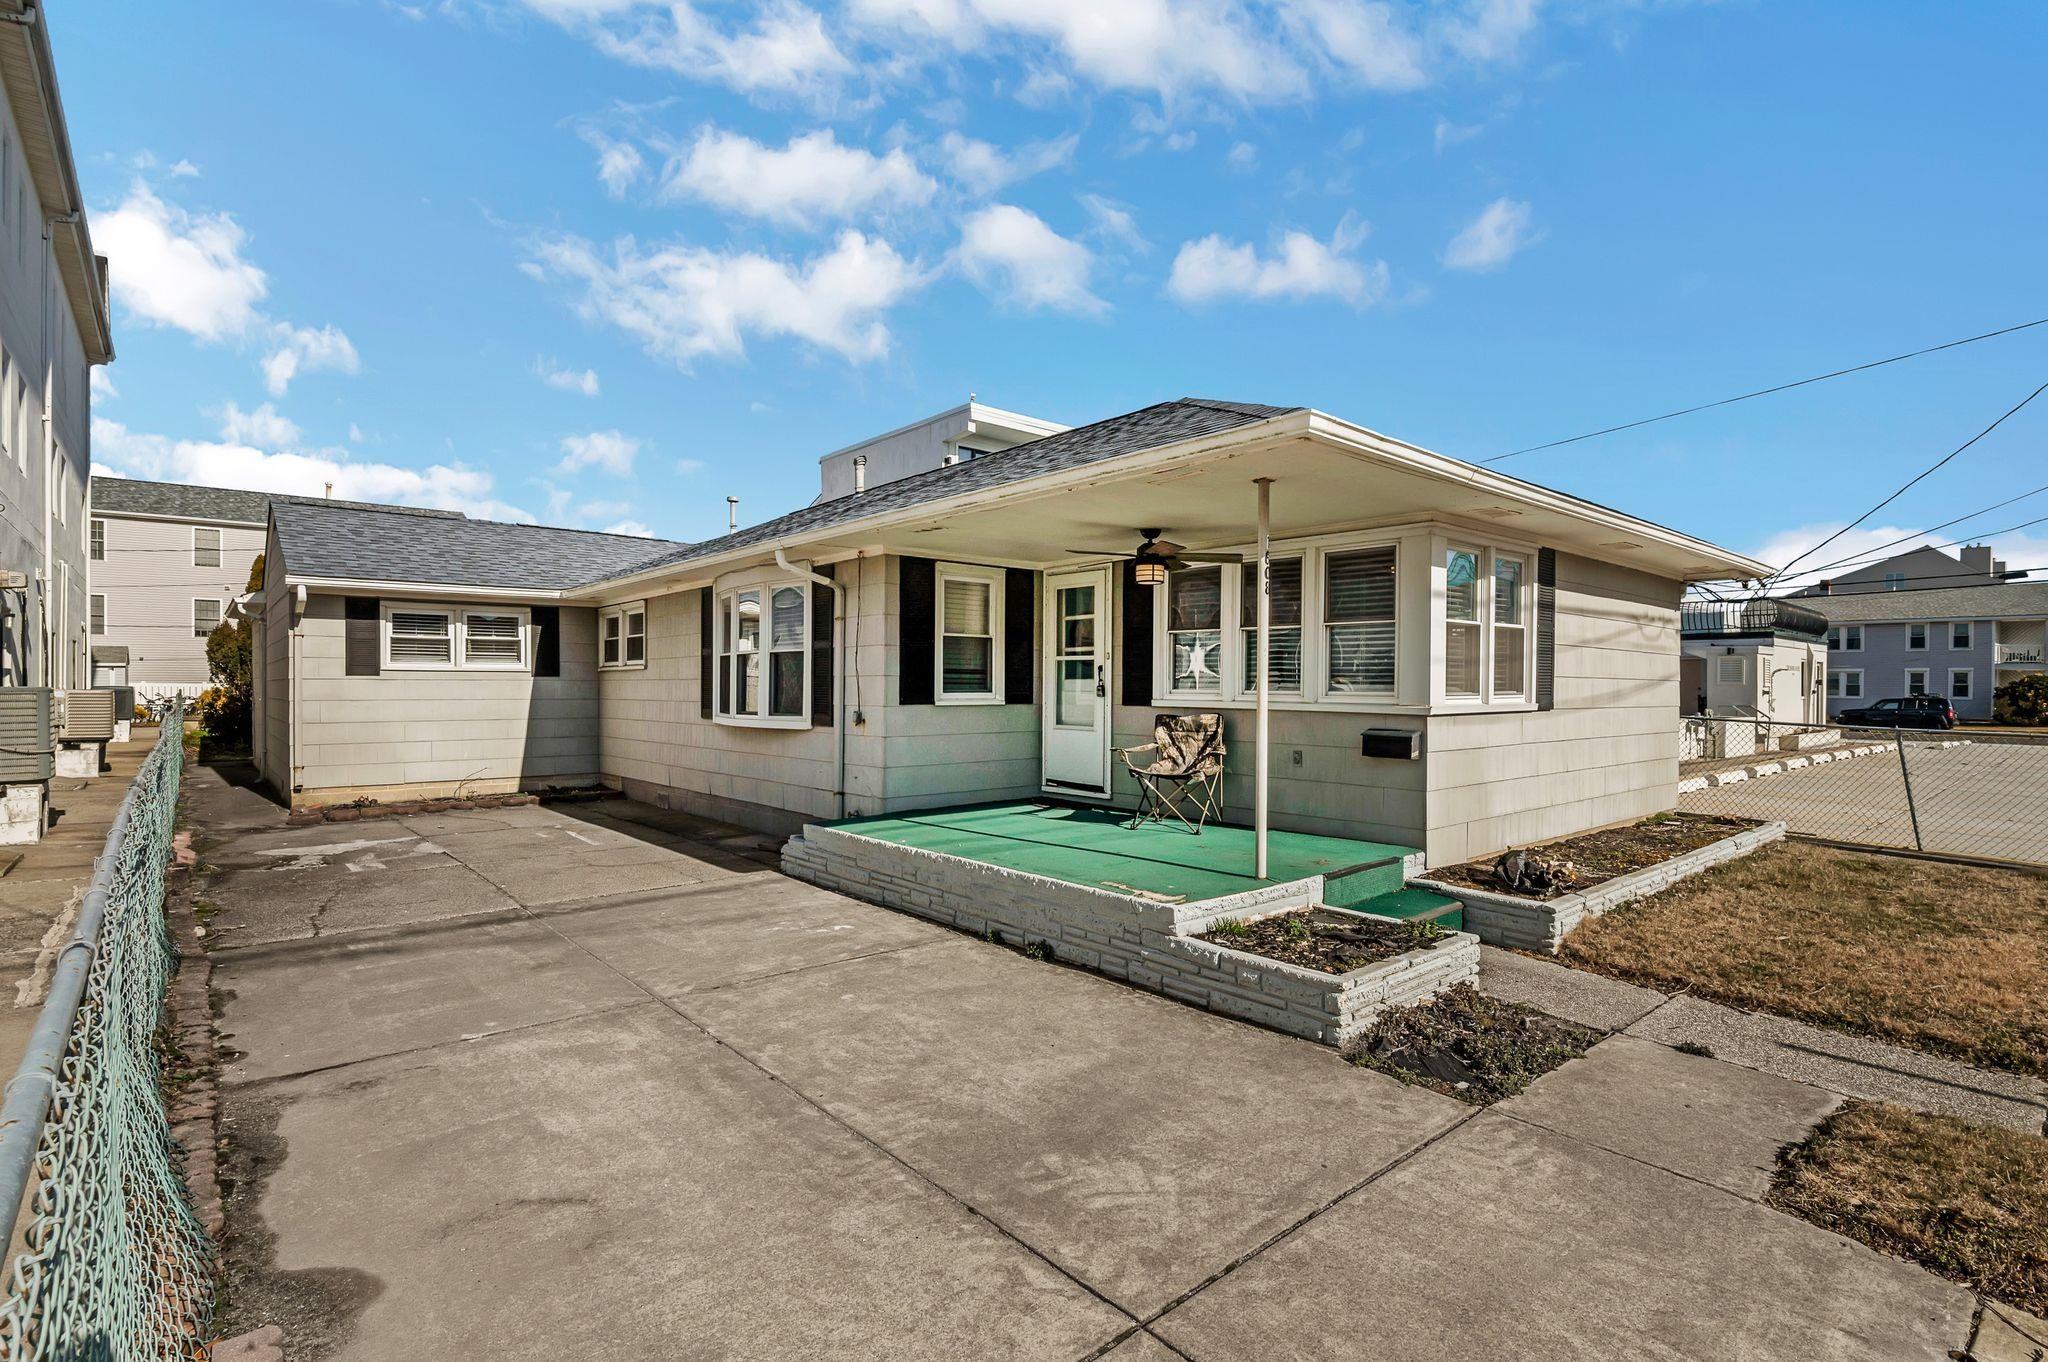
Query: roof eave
{"points": [[466, 591]]}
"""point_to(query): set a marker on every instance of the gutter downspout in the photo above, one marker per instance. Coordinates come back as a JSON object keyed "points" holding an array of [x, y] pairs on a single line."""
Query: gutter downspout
{"points": [[838, 671]]}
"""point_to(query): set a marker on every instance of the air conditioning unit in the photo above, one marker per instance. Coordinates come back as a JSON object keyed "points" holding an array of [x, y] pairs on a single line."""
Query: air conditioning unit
{"points": [[86, 716], [25, 735]]}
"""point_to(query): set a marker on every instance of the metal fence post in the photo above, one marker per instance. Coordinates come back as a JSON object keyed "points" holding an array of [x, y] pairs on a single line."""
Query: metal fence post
{"points": [[1906, 774]]}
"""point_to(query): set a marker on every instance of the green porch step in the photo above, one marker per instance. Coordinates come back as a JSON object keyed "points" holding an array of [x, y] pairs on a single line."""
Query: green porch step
{"points": [[1350, 887], [1412, 905]]}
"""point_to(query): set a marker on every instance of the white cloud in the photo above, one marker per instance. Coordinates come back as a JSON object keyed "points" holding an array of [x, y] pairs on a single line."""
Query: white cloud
{"points": [[619, 163], [632, 527], [689, 466], [355, 433], [1242, 156], [983, 168], [1300, 267], [1489, 30], [179, 269], [295, 350], [1114, 223], [1866, 544], [1364, 38], [811, 179], [568, 380], [262, 426], [1449, 134], [102, 384], [606, 449], [683, 301], [1013, 254], [1491, 239], [786, 52], [125, 453]]}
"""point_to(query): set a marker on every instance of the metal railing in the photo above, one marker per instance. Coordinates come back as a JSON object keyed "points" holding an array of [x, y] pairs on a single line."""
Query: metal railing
{"points": [[1732, 619], [113, 1264], [2019, 652], [1961, 792]]}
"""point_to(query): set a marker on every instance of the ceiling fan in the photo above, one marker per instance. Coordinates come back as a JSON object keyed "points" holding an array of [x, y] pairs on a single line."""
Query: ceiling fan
{"points": [[1155, 556]]}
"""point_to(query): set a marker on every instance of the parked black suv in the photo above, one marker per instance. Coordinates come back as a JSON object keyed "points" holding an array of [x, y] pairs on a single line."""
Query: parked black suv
{"points": [[1911, 711]]}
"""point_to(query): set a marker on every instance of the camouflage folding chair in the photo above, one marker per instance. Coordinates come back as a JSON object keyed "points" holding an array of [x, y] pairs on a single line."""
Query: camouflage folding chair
{"points": [[1184, 778]]}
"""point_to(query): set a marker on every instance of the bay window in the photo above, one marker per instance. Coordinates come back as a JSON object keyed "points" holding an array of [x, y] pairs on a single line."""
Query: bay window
{"points": [[1194, 629], [762, 655], [1358, 621], [1462, 631], [970, 641]]}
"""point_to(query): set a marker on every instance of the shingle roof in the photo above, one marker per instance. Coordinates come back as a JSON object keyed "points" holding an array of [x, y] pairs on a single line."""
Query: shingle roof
{"points": [[2007, 600], [327, 539], [1164, 423], [191, 502]]}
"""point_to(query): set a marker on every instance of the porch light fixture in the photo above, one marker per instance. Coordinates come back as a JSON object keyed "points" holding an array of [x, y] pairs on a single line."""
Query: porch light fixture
{"points": [[1148, 570]]}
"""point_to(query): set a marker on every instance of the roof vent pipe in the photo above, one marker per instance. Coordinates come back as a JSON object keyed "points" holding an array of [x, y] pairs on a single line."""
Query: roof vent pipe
{"points": [[860, 473], [732, 515], [329, 493]]}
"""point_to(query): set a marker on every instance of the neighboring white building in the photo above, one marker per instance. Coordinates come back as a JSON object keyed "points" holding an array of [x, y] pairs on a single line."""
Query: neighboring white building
{"points": [[53, 328], [1764, 659], [955, 436], [167, 559]]}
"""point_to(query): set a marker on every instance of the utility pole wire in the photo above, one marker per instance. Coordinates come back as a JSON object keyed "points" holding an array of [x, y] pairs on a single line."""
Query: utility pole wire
{"points": [[1908, 485], [1766, 392], [1867, 555]]}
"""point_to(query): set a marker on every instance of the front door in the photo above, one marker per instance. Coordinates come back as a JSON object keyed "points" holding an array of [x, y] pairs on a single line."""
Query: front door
{"points": [[1076, 657]]}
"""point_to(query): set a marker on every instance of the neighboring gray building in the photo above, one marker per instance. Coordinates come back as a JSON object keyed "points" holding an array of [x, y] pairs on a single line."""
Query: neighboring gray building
{"points": [[166, 561], [1460, 660], [1957, 641], [53, 329]]}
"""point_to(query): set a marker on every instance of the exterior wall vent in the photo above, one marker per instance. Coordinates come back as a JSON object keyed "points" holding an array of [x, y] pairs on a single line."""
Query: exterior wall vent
{"points": [[25, 735], [86, 716]]}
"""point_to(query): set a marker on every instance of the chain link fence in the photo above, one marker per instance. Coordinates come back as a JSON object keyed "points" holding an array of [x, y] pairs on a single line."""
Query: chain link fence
{"points": [[113, 1266], [1962, 792]]}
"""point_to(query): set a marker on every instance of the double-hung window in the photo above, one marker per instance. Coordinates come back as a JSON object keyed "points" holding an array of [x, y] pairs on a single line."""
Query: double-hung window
{"points": [[1916, 680], [1916, 638], [1194, 629], [425, 637], [1510, 627], [99, 614], [205, 546], [762, 656], [1486, 625], [494, 640], [418, 636], [1358, 621], [622, 635], [1960, 634], [1845, 685], [99, 541], [1959, 683], [970, 635], [205, 616], [1283, 625]]}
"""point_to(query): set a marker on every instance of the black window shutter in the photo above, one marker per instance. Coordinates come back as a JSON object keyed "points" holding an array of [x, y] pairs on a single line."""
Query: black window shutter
{"points": [[821, 650], [706, 659], [1546, 628], [362, 645], [1137, 637], [547, 642], [917, 621], [1020, 630]]}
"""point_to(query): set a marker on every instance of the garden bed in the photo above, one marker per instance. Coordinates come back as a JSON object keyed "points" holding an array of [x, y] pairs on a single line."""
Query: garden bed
{"points": [[1611, 852], [1967, 1201], [1470, 1046], [1325, 940]]}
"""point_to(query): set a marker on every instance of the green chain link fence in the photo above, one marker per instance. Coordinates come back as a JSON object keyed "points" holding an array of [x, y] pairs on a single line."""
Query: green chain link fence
{"points": [[114, 1267]]}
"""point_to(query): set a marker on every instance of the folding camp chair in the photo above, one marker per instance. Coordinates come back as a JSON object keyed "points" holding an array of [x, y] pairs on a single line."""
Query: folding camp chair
{"points": [[1184, 778]]}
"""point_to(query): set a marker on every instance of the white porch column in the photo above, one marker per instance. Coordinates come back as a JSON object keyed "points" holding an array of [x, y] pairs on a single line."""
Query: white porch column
{"points": [[1265, 486]]}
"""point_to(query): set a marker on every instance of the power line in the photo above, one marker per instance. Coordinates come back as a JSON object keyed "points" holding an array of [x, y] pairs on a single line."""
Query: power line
{"points": [[1910, 483], [1766, 392], [1953, 543], [1864, 554], [1976, 579]]}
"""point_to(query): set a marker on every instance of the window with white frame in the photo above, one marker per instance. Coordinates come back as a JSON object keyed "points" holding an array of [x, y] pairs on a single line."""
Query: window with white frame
{"points": [[1358, 612], [1485, 625], [622, 635], [1916, 638], [1283, 624], [762, 656], [99, 614], [1961, 634], [1194, 629], [1959, 683], [205, 616], [99, 541], [494, 639], [970, 640], [205, 546], [1510, 626], [418, 636], [1916, 680], [1845, 685]]}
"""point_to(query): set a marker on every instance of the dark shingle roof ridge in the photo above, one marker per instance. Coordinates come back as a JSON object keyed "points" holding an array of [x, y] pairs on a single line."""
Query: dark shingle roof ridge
{"points": [[985, 470], [375, 509], [245, 500]]}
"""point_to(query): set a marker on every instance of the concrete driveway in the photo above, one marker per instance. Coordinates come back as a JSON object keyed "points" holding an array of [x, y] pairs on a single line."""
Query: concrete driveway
{"points": [[598, 1082]]}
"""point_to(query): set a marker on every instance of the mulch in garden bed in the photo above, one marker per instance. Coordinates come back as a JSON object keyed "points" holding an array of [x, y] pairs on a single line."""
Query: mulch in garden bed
{"points": [[1609, 852], [1320, 939], [1470, 1046]]}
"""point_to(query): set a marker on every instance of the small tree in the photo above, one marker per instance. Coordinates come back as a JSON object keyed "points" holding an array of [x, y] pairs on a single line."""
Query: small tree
{"points": [[226, 704], [2022, 700]]}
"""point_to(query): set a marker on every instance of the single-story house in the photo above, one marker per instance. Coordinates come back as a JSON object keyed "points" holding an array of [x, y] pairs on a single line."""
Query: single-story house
{"points": [[1460, 660], [1761, 659]]}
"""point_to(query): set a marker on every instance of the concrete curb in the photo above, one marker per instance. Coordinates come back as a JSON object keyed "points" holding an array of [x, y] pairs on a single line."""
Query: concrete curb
{"points": [[1797, 762]]}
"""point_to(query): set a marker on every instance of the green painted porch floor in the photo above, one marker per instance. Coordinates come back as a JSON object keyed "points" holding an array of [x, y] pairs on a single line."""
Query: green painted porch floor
{"points": [[1094, 848]]}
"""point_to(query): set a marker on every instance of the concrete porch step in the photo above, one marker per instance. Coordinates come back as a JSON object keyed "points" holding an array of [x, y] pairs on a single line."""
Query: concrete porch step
{"points": [[1412, 905]]}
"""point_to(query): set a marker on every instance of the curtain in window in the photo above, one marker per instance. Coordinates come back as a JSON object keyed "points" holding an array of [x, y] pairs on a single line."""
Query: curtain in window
{"points": [[1358, 616]]}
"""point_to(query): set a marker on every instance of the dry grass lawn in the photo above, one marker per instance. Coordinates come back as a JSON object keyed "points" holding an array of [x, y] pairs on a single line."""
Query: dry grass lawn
{"points": [[1967, 1201], [1945, 958]]}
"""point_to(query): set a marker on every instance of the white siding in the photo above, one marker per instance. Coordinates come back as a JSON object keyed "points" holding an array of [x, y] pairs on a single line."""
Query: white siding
{"points": [[150, 582]]}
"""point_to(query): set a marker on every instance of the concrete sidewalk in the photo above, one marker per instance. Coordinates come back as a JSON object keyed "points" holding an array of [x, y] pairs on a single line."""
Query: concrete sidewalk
{"points": [[596, 1081]]}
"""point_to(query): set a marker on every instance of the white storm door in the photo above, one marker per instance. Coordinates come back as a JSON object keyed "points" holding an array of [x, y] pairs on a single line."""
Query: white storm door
{"points": [[1076, 653]]}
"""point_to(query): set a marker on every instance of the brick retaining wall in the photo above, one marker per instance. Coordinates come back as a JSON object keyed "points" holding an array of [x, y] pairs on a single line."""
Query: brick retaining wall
{"points": [[1541, 924], [1146, 943]]}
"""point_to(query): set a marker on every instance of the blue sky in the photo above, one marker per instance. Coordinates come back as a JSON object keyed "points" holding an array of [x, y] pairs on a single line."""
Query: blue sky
{"points": [[604, 262]]}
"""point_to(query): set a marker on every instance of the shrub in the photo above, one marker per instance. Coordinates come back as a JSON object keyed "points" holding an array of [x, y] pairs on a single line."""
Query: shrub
{"points": [[2022, 700]]}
